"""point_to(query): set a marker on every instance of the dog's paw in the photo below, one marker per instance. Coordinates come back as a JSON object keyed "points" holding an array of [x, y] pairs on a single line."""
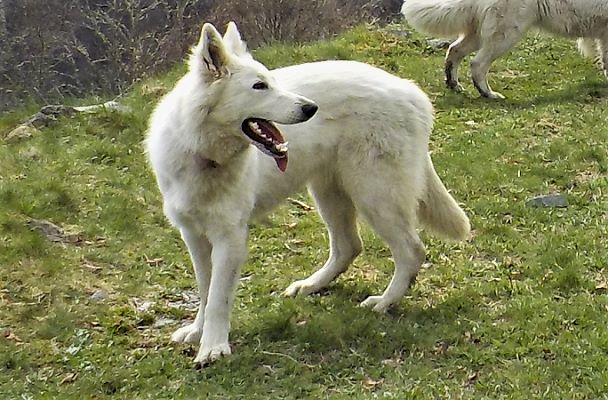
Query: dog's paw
{"points": [[376, 303], [455, 86], [302, 288], [207, 355], [188, 334], [495, 96]]}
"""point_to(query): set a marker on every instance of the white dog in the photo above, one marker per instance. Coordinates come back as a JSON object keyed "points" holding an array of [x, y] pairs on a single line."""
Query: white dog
{"points": [[364, 152], [493, 27]]}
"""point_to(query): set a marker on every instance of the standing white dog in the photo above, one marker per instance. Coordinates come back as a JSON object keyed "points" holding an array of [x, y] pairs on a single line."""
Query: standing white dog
{"points": [[493, 27], [364, 152]]}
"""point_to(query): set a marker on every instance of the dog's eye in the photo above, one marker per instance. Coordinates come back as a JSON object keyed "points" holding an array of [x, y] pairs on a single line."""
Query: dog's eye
{"points": [[259, 85]]}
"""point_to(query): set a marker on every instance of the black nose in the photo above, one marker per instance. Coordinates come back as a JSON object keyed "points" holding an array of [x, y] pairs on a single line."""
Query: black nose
{"points": [[309, 110]]}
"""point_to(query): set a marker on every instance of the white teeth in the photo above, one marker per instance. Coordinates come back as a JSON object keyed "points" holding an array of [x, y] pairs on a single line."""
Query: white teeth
{"points": [[255, 127], [269, 141], [282, 147]]}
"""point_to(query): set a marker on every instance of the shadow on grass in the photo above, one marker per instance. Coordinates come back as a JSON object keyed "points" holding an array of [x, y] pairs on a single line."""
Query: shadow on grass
{"points": [[332, 323], [582, 92]]}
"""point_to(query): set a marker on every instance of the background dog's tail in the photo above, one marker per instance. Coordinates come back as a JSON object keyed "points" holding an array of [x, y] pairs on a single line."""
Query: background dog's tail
{"points": [[438, 211], [441, 18], [591, 48], [588, 47]]}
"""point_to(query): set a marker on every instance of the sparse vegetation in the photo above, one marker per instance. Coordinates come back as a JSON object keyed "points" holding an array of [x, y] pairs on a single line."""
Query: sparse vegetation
{"points": [[518, 312], [57, 49]]}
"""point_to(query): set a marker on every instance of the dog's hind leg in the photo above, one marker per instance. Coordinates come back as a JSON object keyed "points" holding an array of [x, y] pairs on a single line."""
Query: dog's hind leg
{"points": [[339, 215], [459, 49], [399, 233], [494, 44], [200, 253]]}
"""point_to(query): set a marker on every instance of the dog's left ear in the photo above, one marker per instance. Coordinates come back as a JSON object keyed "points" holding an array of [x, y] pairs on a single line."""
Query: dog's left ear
{"points": [[211, 53], [233, 41]]}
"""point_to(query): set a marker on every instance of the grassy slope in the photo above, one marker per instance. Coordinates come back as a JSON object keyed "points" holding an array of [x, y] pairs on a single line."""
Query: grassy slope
{"points": [[518, 312]]}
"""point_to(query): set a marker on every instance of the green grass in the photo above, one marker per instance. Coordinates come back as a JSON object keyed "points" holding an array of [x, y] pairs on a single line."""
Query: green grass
{"points": [[518, 312]]}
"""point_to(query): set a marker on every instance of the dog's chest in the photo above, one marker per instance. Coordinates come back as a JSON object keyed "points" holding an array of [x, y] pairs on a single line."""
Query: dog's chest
{"points": [[203, 190], [204, 164], [205, 178]]}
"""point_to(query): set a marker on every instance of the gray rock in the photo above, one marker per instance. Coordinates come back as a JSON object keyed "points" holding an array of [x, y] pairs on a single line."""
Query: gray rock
{"points": [[439, 43], [51, 113], [99, 295], [551, 200], [163, 321], [53, 232], [23, 131]]}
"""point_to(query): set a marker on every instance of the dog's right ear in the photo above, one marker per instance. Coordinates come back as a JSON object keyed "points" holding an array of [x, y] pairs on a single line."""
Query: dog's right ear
{"points": [[233, 41], [211, 54]]}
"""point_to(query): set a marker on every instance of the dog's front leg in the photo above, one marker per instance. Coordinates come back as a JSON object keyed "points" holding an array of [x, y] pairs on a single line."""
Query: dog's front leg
{"points": [[200, 253], [229, 251]]}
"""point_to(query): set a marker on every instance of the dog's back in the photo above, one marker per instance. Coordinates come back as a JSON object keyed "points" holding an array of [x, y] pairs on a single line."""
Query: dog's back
{"points": [[361, 118]]}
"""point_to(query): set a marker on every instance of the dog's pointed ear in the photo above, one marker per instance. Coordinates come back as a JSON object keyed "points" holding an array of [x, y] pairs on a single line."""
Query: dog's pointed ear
{"points": [[211, 53], [233, 41]]}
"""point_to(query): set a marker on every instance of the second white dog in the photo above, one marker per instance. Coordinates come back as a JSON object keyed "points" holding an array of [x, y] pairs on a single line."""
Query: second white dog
{"points": [[493, 27], [364, 152]]}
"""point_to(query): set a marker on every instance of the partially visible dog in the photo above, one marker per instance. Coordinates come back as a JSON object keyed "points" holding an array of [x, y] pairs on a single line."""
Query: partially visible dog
{"points": [[363, 152], [493, 27]]}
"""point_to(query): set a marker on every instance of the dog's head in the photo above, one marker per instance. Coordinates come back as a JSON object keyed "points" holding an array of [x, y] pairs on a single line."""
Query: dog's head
{"points": [[244, 93]]}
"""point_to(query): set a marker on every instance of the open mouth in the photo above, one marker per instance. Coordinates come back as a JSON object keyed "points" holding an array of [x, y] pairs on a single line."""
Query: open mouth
{"points": [[267, 138]]}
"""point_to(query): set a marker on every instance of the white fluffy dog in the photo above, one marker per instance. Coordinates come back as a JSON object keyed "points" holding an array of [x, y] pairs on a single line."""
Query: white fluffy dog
{"points": [[493, 27], [364, 152]]}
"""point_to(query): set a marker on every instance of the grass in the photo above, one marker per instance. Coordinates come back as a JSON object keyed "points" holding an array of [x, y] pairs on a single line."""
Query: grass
{"points": [[520, 311]]}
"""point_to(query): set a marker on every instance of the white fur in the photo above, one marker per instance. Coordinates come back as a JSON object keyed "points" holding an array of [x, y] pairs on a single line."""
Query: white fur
{"points": [[493, 27], [364, 152]]}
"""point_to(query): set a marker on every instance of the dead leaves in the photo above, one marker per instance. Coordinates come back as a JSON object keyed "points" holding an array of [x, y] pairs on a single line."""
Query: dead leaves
{"points": [[70, 377], [300, 204], [153, 262], [11, 336], [372, 384]]}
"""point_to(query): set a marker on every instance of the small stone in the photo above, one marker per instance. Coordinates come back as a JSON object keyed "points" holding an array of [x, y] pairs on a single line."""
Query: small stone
{"points": [[53, 232], [24, 131], [163, 321], [99, 295], [397, 30], [144, 306], [551, 200], [439, 43]]}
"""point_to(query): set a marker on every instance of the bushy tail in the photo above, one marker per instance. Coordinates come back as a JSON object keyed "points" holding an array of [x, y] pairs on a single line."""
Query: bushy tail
{"points": [[438, 211], [588, 47], [591, 48], [441, 18]]}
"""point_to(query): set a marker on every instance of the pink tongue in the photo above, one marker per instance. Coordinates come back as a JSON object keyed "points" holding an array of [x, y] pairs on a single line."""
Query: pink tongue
{"points": [[281, 163]]}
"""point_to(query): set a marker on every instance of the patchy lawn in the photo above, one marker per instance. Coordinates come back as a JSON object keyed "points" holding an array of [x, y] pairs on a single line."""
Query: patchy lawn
{"points": [[519, 311]]}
